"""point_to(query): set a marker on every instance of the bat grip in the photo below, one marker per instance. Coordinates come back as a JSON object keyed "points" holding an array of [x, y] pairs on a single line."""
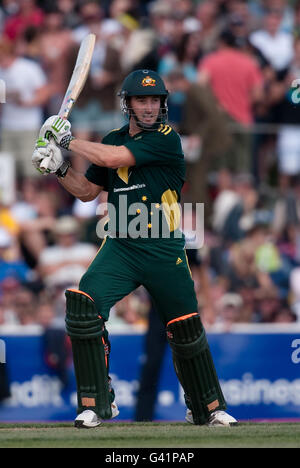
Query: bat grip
{"points": [[45, 163]]}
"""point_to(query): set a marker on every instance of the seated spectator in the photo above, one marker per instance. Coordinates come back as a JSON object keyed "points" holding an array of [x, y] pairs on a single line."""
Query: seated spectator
{"points": [[285, 315], [226, 199], [229, 309], [65, 262], [241, 215], [268, 304], [35, 211], [8, 289], [287, 208], [25, 306], [11, 266]]}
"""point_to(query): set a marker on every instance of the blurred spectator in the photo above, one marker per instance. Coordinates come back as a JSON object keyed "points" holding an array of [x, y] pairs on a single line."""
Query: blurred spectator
{"points": [[237, 83], [210, 25], [201, 121], [95, 111], [28, 14], [69, 10], [285, 315], [276, 46], [284, 97], [35, 212], [91, 15], [64, 263], [225, 200], [55, 33], [25, 306], [4, 384], [22, 115], [268, 305], [287, 208], [185, 57], [242, 267], [241, 211], [229, 309], [8, 289], [10, 265]]}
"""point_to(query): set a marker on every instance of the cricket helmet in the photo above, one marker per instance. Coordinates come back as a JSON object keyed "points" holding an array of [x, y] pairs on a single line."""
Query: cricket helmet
{"points": [[144, 83]]}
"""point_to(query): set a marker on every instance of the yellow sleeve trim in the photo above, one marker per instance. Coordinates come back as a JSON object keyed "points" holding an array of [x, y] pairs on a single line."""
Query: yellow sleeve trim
{"points": [[165, 129]]}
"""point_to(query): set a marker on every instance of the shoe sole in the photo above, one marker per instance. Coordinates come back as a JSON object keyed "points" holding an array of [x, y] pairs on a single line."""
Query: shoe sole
{"points": [[79, 424], [232, 424]]}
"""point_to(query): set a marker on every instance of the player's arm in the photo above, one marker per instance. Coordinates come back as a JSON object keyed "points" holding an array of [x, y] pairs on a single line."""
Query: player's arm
{"points": [[79, 186], [103, 155], [100, 154], [47, 159]]}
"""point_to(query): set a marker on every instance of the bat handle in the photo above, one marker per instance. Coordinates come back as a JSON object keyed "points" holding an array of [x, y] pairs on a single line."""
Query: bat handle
{"points": [[45, 163]]}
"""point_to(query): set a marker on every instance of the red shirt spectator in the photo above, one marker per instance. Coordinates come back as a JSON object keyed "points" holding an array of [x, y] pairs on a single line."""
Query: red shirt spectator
{"points": [[28, 15], [235, 79]]}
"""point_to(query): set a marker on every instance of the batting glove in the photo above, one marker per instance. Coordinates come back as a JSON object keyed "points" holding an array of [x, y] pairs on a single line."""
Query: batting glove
{"points": [[47, 157], [59, 129]]}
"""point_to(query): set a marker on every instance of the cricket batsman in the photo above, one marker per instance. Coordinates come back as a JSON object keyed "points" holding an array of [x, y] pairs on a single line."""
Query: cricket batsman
{"points": [[141, 163]]}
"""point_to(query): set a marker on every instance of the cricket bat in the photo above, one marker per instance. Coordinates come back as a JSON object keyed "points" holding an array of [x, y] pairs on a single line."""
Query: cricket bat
{"points": [[77, 81]]}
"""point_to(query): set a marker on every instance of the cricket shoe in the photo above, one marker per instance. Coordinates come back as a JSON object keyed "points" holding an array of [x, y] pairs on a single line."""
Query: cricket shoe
{"points": [[88, 418], [217, 418]]}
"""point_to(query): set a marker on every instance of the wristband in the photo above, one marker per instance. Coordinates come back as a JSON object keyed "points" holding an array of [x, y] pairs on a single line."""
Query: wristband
{"points": [[63, 170], [65, 141]]}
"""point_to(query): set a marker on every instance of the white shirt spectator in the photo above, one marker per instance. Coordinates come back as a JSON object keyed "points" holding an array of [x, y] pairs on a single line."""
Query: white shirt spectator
{"points": [[277, 48], [23, 78], [72, 261]]}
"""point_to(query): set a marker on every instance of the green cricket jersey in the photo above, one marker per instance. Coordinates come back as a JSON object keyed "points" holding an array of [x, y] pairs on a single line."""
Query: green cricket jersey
{"points": [[144, 199]]}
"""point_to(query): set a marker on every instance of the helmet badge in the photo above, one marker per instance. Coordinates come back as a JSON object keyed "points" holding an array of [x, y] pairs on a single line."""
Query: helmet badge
{"points": [[148, 81]]}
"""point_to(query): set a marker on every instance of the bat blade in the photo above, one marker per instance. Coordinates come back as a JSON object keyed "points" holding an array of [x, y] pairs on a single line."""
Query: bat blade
{"points": [[77, 81], [79, 75]]}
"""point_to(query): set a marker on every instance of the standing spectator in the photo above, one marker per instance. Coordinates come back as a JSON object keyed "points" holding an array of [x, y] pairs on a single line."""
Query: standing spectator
{"points": [[28, 15], [201, 121], [68, 9], [237, 84], [284, 96], [61, 41], [207, 14], [276, 46], [26, 92]]}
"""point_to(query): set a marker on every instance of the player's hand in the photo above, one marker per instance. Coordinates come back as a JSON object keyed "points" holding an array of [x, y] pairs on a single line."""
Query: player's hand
{"points": [[59, 129], [47, 157]]}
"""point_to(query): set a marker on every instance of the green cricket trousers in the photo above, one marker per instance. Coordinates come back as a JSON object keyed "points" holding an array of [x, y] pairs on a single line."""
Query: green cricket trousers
{"points": [[160, 265]]}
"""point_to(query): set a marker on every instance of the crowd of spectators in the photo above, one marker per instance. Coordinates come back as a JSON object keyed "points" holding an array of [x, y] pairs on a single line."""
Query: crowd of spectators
{"points": [[232, 68]]}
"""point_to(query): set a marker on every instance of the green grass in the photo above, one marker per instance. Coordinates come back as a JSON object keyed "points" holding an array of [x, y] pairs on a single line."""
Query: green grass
{"points": [[153, 435]]}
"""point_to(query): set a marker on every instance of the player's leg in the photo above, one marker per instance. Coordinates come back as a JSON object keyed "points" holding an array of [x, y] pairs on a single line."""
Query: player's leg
{"points": [[172, 289], [107, 280]]}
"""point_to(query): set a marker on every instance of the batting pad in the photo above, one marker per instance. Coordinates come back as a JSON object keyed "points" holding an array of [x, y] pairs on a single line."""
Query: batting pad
{"points": [[194, 367], [90, 354]]}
